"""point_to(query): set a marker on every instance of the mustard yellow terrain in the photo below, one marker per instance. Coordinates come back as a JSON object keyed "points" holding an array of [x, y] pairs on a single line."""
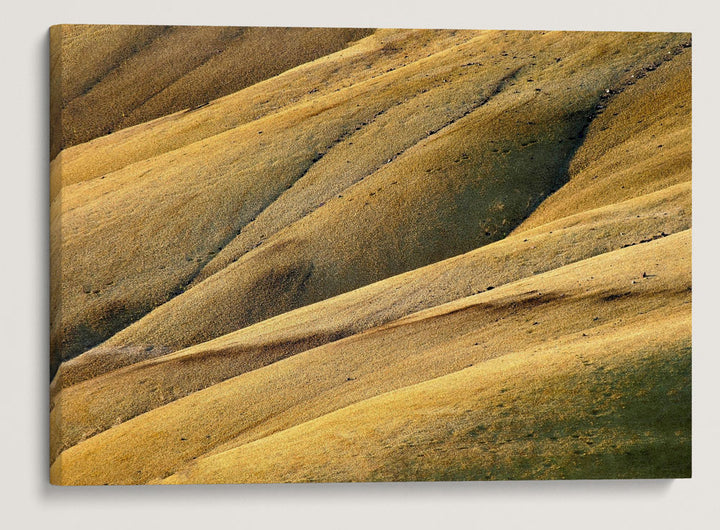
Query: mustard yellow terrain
{"points": [[429, 255], [593, 298], [482, 422], [113, 76], [440, 156], [97, 404]]}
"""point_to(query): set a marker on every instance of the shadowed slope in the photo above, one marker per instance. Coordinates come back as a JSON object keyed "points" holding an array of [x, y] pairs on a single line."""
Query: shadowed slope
{"points": [[560, 348], [599, 295], [112, 77], [640, 142], [495, 155], [371, 57]]}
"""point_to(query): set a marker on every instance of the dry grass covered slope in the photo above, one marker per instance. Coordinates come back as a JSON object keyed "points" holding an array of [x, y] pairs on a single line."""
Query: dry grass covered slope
{"points": [[428, 256], [517, 417], [640, 142], [114, 76], [440, 156]]}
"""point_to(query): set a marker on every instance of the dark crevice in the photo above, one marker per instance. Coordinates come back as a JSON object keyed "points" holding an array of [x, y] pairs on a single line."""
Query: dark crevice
{"points": [[122, 60], [202, 61]]}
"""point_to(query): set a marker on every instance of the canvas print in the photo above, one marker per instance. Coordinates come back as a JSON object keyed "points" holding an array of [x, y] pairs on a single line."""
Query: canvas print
{"points": [[357, 255]]}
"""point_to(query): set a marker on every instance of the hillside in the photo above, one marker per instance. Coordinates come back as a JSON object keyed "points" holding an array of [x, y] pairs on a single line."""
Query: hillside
{"points": [[414, 258], [364, 156], [111, 77], [124, 393]]}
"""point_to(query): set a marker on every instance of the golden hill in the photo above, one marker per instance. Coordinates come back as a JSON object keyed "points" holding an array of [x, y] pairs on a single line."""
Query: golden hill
{"points": [[431, 255], [453, 157], [111, 77]]}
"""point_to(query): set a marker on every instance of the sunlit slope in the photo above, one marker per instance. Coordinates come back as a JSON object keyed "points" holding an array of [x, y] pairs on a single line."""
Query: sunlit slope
{"points": [[245, 174], [609, 298], [465, 149], [556, 244], [640, 142], [112, 77], [556, 342], [99, 403]]}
